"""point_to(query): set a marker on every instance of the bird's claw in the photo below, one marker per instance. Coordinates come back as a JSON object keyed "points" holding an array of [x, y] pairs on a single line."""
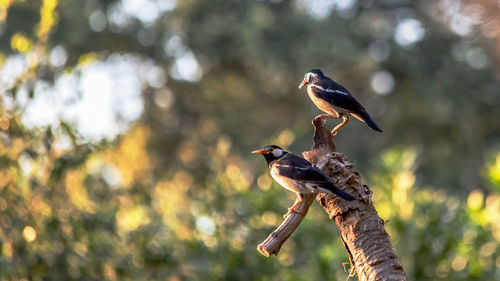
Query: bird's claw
{"points": [[333, 133], [290, 211]]}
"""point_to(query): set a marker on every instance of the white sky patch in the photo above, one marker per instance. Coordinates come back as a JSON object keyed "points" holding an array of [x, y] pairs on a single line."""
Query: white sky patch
{"points": [[408, 32], [317, 9], [101, 101], [117, 18], [343, 5], [321, 9], [40, 110], [58, 56], [174, 46], [62, 142], [186, 68], [94, 112], [13, 67], [147, 11], [111, 175], [26, 164], [205, 225], [382, 82]]}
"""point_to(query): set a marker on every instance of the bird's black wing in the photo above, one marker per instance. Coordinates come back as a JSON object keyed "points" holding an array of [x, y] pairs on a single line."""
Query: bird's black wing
{"points": [[297, 168], [337, 95]]}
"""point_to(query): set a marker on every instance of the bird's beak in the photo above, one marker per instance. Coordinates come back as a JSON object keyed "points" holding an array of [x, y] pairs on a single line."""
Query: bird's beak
{"points": [[303, 83], [260, 151]]}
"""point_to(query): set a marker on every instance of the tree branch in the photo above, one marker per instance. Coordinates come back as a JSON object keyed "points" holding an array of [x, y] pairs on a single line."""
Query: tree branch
{"points": [[273, 243], [363, 234], [323, 142]]}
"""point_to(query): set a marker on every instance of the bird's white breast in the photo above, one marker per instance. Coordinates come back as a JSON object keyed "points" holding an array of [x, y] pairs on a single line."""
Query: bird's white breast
{"points": [[324, 105], [292, 185]]}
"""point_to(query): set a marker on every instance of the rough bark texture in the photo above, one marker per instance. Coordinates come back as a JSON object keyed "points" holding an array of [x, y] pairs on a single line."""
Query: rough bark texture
{"points": [[363, 234]]}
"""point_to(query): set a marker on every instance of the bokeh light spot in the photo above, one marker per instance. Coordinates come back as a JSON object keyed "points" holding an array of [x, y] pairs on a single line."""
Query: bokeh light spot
{"points": [[476, 58], [4, 123], [164, 98], [408, 32], [187, 68], [475, 200], [29, 234], [97, 21], [264, 182], [20, 43], [206, 225], [382, 83], [269, 218], [286, 138], [58, 56], [459, 263]]}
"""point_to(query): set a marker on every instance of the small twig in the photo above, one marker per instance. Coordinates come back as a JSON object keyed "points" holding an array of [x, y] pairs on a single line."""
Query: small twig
{"points": [[273, 243]]}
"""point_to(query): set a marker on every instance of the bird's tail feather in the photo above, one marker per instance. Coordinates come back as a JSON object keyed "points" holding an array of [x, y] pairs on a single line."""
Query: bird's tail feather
{"points": [[372, 124], [368, 120], [334, 190]]}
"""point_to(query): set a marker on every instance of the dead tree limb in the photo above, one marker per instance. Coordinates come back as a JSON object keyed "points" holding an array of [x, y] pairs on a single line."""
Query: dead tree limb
{"points": [[362, 231]]}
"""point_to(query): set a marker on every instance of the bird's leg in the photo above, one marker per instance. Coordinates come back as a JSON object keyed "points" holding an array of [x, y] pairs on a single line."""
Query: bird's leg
{"points": [[345, 119], [292, 209]]}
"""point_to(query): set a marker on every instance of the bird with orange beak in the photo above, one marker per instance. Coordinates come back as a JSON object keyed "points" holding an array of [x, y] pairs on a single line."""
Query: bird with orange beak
{"points": [[298, 175], [335, 100]]}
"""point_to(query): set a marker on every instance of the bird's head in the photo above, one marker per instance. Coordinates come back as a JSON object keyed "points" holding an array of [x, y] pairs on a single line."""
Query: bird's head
{"points": [[271, 152], [311, 76]]}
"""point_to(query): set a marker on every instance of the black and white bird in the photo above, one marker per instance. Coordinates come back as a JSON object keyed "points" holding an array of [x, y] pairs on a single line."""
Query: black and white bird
{"points": [[298, 175], [335, 100]]}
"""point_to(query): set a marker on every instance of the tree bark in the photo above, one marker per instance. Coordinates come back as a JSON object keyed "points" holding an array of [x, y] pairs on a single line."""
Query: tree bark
{"points": [[362, 231]]}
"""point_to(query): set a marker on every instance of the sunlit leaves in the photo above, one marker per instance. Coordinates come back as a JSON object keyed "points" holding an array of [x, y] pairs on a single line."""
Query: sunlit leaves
{"points": [[399, 165], [47, 19], [87, 58], [462, 236], [20, 43], [130, 158], [130, 217], [76, 191], [4, 8], [170, 201], [493, 172]]}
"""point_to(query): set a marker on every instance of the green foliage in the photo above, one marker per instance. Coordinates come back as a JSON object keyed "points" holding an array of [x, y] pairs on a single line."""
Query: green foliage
{"points": [[175, 194], [437, 235]]}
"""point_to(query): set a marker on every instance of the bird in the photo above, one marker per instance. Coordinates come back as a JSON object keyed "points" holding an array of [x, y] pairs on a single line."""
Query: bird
{"points": [[335, 100], [297, 174]]}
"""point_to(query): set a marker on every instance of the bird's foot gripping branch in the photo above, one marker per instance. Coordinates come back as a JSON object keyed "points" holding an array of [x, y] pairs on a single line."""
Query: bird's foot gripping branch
{"points": [[362, 231]]}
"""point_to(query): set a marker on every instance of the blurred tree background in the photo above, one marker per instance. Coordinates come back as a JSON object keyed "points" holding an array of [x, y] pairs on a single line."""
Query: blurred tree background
{"points": [[126, 126]]}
